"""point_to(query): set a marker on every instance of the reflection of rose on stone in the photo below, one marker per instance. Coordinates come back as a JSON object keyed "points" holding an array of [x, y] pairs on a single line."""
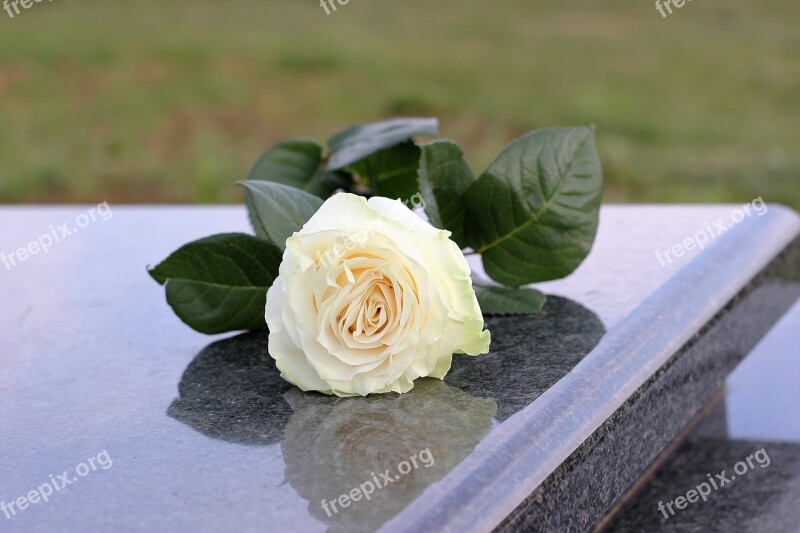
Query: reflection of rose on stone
{"points": [[333, 446], [232, 391]]}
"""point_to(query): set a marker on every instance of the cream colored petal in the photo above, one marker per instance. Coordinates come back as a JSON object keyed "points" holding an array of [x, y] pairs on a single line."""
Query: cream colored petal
{"points": [[442, 367], [397, 211], [371, 297], [289, 359]]}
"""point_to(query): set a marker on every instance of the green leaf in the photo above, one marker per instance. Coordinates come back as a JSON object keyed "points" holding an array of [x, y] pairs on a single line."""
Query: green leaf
{"points": [[297, 163], [444, 176], [392, 172], [357, 142], [277, 210], [220, 283], [533, 213], [508, 300]]}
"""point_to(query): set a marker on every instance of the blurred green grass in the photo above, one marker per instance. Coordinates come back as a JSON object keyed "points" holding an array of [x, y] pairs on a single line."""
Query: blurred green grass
{"points": [[173, 101]]}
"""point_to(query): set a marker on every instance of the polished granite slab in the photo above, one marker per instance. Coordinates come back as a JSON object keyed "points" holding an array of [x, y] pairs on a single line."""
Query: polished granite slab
{"points": [[757, 415], [561, 463], [205, 436]]}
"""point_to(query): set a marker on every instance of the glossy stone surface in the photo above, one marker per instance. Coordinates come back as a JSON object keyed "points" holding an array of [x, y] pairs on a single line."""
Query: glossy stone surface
{"points": [[205, 436], [593, 433], [759, 412]]}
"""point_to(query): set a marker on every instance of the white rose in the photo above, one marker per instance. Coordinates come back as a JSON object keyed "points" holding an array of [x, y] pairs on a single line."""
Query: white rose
{"points": [[369, 298]]}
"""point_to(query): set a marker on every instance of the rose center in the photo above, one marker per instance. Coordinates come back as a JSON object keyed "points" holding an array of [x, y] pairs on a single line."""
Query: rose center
{"points": [[376, 310]]}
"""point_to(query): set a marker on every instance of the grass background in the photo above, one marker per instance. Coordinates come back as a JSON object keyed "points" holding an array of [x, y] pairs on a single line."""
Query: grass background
{"points": [[172, 101]]}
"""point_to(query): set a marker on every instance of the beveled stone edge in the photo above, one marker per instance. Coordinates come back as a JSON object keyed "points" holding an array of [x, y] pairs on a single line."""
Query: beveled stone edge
{"points": [[487, 486], [647, 420]]}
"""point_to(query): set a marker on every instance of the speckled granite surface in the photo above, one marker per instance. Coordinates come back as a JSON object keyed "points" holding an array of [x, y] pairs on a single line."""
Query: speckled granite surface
{"points": [[764, 500], [758, 413], [615, 456], [559, 464], [204, 436], [233, 392]]}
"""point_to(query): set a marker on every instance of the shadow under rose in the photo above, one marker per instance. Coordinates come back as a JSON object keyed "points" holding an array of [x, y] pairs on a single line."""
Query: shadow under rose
{"points": [[232, 391], [529, 354]]}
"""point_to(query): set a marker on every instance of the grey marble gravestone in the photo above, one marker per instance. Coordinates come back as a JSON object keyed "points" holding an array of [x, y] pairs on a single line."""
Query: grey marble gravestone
{"points": [[570, 406]]}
